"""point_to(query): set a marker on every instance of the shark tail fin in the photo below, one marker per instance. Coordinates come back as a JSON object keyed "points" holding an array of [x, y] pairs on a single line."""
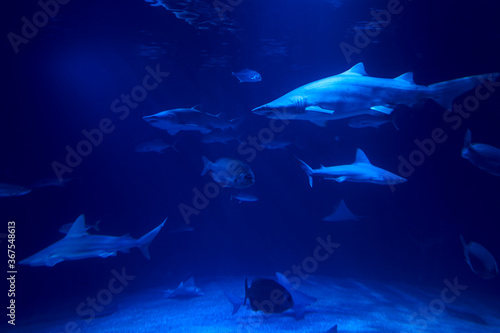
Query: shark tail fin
{"points": [[206, 165], [445, 92], [308, 170], [144, 241]]}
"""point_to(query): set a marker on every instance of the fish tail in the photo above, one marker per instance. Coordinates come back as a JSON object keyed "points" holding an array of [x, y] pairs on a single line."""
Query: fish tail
{"points": [[206, 165], [144, 241], [308, 170], [445, 92]]}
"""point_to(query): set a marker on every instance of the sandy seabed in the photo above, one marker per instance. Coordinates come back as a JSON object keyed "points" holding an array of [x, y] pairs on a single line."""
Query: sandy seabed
{"points": [[354, 305]]}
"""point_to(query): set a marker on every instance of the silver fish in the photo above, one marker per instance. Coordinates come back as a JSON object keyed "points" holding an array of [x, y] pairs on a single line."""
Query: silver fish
{"points": [[157, 145], [218, 138], [12, 190], [480, 260], [484, 156], [247, 75], [247, 197], [47, 182], [228, 172]]}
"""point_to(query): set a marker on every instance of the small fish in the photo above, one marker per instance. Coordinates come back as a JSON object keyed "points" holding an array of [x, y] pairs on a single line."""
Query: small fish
{"points": [[342, 213], [371, 121], [268, 296], [480, 260], [247, 197], [484, 156], [183, 228], [228, 172], [217, 138], [185, 289], [65, 228], [247, 75], [47, 182], [278, 144], [12, 190], [157, 145]]}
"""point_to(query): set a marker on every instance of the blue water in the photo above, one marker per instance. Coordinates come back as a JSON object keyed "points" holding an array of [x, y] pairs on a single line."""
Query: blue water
{"points": [[66, 77]]}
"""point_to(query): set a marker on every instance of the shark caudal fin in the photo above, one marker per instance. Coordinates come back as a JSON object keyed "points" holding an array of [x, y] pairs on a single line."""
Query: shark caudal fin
{"points": [[307, 169], [445, 92], [144, 241]]}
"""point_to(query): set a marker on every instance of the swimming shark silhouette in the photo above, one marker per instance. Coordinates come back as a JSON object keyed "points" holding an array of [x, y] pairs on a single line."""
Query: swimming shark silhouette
{"points": [[354, 93], [78, 244], [361, 171]]}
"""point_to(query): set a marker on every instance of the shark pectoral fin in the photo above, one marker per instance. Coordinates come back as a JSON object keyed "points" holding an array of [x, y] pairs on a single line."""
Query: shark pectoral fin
{"points": [[338, 179], [382, 109], [53, 261], [172, 131], [315, 108]]}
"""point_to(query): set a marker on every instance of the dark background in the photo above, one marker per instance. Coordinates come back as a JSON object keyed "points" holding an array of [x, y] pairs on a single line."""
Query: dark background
{"points": [[65, 79]]}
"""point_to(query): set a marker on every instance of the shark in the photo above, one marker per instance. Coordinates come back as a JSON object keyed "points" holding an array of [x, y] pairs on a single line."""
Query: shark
{"points": [[78, 244], [190, 119], [361, 171], [354, 92]]}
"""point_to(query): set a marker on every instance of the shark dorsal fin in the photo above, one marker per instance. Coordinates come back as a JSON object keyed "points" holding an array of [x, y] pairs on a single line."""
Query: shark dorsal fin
{"points": [[361, 157], [78, 227], [408, 77], [358, 69]]}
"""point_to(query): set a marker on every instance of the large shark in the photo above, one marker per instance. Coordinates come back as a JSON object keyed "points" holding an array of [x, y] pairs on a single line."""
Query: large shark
{"points": [[354, 93], [361, 171], [78, 244]]}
